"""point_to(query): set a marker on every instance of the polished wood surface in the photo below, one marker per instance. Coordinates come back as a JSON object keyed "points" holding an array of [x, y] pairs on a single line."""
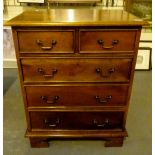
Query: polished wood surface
{"points": [[46, 41], [76, 17], [101, 41], [63, 96], [82, 120], [76, 71], [90, 41], [42, 138]]}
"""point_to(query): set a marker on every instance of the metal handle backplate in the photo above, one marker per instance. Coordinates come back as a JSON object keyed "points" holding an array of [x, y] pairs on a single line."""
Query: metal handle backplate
{"points": [[54, 124], [43, 73], [52, 101], [113, 43], [41, 44], [105, 100], [104, 124], [107, 73]]}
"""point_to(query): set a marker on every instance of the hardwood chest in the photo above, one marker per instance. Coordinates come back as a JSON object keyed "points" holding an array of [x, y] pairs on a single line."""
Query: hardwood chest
{"points": [[76, 69]]}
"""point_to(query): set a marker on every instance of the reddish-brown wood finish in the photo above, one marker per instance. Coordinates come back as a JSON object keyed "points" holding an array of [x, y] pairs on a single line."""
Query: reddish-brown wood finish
{"points": [[79, 121], [94, 95], [76, 76], [117, 142], [39, 142], [46, 41], [89, 41], [77, 69]]}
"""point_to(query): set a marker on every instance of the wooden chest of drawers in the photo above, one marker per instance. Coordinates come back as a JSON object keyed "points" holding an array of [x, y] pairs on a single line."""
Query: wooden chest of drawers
{"points": [[76, 76]]}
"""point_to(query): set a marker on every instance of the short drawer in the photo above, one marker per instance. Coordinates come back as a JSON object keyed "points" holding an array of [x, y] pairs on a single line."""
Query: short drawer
{"points": [[97, 95], [96, 41], [46, 41], [77, 70], [76, 120]]}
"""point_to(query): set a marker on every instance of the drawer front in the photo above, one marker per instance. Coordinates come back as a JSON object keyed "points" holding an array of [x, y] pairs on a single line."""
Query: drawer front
{"points": [[77, 70], [53, 96], [46, 41], [107, 41], [76, 120]]}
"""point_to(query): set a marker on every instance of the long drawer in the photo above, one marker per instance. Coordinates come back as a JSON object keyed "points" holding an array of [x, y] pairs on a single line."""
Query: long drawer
{"points": [[46, 41], [76, 69], [101, 41], [98, 95], [76, 120]]}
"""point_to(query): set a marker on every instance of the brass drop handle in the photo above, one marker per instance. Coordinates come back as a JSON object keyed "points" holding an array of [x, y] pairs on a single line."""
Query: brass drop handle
{"points": [[56, 122], [113, 43], [105, 123], [106, 100], [40, 43], [53, 101], [109, 72], [42, 72]]}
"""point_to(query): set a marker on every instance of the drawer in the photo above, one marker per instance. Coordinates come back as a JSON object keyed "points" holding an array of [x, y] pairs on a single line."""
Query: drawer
{"points": [[77, 70], [96, 41], [76, 120], [46, 41], [99, 95]]}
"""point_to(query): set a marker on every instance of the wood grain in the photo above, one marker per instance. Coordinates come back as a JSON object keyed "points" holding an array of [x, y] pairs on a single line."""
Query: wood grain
{"points": [[76, 68]]}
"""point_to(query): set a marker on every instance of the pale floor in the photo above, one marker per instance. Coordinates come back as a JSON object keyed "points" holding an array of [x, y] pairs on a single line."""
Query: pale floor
{"points": [[138, 124]]}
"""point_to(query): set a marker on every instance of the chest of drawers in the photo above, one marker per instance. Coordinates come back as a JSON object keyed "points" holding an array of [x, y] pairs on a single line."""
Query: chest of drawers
{"points": [[76, 76]]}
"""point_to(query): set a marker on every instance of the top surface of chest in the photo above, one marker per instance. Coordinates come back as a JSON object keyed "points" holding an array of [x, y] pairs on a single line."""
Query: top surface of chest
{"points": [[75, 17]]}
